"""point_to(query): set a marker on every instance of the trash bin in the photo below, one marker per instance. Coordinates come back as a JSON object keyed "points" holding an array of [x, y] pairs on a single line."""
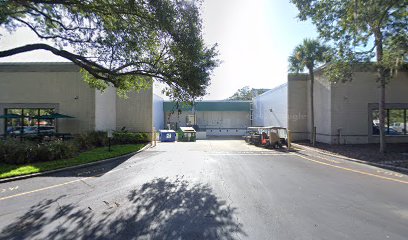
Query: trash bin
{"points": [[167, 136], [187, 134]]}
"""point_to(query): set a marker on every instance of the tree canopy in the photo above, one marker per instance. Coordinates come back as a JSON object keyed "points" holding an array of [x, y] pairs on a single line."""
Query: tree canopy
{"points": [[125, 43], [247, 93], [310, 54], [357, 28], [360, 31]]}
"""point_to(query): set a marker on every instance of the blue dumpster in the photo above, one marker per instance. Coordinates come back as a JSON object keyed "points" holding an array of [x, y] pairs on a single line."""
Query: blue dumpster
{"points": [[167, 135]]}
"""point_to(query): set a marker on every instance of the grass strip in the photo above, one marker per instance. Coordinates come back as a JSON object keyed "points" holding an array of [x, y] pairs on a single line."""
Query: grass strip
{"points": [[96, 154]]}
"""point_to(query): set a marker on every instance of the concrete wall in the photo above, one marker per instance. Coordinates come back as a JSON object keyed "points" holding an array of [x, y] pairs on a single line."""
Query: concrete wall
{"points": [[322, 108], [298, 106], [353, 102], [343, 111], [223, 119], [212, 119], [105, 109], [57, 85], [158, 113], [271, 108], [61, 86], [226, 132], [135, 113]]}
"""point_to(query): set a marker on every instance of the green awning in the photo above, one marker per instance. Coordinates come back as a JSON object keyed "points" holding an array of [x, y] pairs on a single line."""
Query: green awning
{"points": [[213, 106], [53, 116]]}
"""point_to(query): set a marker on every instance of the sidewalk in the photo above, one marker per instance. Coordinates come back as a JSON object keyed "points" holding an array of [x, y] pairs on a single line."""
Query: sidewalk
{"points": [[395, 158]]}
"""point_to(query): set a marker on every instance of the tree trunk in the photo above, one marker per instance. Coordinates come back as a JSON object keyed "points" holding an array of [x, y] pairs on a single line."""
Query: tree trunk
{"points": [[381, 78], [312, 125]]}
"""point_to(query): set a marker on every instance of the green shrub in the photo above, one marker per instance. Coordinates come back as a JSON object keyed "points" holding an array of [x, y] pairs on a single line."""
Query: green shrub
{"points": [[98, 138], [15, 152], [91, 139], [43, 153], [82, 141], [2, 151], [120, 137], [55, 150]]}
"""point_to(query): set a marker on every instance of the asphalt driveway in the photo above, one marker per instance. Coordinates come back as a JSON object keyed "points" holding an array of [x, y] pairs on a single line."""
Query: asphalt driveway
{"points": [[213, 189]]}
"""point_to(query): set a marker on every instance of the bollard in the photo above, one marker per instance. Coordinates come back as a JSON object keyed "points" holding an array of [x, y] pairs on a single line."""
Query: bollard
{"points": [[289, 140], [110, 135], [153, 136]]}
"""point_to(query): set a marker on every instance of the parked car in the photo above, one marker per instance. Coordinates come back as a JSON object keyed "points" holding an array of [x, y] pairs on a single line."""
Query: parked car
{"points": [[392, 131], [47, 129], [398, 126], [376, 131], [12, 129], [272, 137], [26, 130], [252, 136]]}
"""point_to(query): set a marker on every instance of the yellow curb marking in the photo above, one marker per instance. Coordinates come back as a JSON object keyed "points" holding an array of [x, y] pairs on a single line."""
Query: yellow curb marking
{"points": [[246, 154], [351, 170], [390, 173], [42, 189], [309, 159], [327, 159], [57, 185]]}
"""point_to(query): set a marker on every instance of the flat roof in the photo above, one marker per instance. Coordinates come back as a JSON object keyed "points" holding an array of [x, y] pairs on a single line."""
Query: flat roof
{"points": [[167, 131], [187, 129], [38, 67], [210, 106], [273, 90]]}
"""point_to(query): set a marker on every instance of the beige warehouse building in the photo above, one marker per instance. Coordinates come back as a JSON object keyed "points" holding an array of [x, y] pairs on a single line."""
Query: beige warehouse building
{"points": [[32, 88], [347, 113]]}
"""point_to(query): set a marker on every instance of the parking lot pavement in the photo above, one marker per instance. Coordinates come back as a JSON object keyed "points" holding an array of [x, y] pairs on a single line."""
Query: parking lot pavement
{"points": [[209, 189], [208, 146]]}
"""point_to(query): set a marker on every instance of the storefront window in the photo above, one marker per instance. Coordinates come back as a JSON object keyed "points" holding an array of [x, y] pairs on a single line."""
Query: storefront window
{"points": [[13, 125], [29, 122], [395, 122], [396, 125]]}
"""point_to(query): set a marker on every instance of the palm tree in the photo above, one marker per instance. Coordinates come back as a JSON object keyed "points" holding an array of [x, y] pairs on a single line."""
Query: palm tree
{"points": [[309, 54]]}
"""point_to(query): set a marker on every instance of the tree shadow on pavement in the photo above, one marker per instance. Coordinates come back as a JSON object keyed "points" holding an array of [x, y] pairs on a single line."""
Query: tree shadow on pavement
{"points": [[160, 209]]}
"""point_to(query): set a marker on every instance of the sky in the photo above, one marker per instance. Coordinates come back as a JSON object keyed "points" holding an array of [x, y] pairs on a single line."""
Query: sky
{"points": [[254, 37]]}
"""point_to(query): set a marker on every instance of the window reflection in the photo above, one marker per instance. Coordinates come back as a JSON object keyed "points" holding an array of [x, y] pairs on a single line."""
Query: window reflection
{"points": [[29, 123], [395, 122]]}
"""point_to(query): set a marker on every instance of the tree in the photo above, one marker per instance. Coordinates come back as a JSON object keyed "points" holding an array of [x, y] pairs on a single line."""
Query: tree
{"points": [[361, 30], [309, 55], [124, 43], [247, 93]]}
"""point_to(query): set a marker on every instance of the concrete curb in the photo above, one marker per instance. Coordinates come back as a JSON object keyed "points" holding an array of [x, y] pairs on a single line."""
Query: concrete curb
{"points": [[4, 180], [391, 167]]}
